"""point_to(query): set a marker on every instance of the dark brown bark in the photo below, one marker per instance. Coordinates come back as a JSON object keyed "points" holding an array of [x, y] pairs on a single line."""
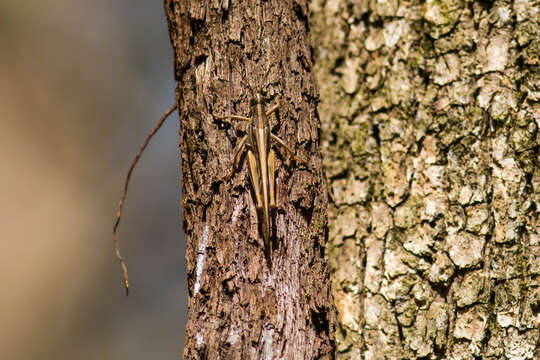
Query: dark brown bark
{"points": [[244, 304]]}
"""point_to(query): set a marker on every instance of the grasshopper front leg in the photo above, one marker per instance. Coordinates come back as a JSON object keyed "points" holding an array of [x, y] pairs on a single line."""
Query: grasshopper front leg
{"points": [[234, 117], [273, 109]]}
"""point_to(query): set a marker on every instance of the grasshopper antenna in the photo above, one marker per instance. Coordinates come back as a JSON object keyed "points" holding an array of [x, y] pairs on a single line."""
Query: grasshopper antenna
{"points": [[124, 193], [248, 84]]}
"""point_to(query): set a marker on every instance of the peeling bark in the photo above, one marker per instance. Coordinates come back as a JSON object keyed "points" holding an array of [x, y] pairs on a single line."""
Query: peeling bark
{"points": [[430, 113], [243, 304]]}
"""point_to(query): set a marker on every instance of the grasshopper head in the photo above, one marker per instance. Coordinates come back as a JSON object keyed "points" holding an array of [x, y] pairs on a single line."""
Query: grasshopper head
{"points": [[257, 99]]}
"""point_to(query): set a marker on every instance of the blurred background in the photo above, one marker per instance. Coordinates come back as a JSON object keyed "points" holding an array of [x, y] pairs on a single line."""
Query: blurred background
{"points": [[81, 84]]}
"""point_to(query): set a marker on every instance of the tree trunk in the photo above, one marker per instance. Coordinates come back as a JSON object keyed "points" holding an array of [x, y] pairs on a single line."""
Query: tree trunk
{"points": [[248, 300], [430, 114]]}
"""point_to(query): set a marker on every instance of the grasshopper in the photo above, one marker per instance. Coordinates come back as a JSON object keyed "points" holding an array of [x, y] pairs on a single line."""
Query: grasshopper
{"points": [[261, 158], [261, 166]]}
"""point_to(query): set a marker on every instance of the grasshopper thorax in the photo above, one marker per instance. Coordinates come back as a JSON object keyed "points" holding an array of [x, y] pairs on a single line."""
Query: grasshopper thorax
{"points": [[258, 111]]}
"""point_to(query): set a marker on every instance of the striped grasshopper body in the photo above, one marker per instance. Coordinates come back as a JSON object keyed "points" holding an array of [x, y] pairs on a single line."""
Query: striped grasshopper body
{"points": [[261, 158]]}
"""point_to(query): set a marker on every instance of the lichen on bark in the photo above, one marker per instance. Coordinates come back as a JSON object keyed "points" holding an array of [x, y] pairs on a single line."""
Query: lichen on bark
{"points": [[430, 113]]}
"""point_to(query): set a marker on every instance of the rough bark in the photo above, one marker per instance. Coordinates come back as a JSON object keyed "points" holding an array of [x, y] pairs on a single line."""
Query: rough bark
{"points": [[430, 113], [244, 305]]}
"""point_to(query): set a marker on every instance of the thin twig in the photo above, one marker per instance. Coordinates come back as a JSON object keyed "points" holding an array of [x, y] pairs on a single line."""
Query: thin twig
{"points": [[124, 194]]}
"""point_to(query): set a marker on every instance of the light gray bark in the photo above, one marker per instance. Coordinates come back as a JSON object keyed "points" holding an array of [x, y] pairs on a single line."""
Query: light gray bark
{"points": [[430, 114]]}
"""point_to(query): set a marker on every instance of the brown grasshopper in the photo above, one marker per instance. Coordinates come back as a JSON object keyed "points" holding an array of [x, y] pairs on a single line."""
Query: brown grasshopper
{"points": [[261, 158], [261, 166]]}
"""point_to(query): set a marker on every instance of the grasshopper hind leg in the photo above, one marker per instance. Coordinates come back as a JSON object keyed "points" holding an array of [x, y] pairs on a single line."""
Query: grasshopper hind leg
{"points": [[237, 156], [255, 179], [272, 178], [261, 205]]}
